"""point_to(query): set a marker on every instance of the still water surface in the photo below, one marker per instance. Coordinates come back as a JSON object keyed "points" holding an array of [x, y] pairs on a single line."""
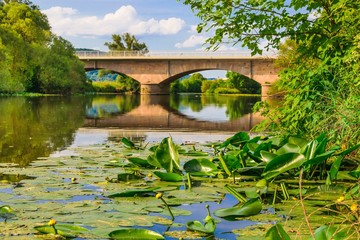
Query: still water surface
{"points": [[33, 127]]}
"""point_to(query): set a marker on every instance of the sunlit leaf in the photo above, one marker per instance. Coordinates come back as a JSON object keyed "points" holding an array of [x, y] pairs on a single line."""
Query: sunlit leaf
{"points": [[65, 230], [169, 177], [330, 232], [200, 165], [135, 233], [283, 163], [140, 162], [277, 233], [128, 142], [251, 207]]}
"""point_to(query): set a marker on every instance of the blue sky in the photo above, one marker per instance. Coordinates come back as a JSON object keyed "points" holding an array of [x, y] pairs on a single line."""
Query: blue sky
{"points": [[164, 25]]}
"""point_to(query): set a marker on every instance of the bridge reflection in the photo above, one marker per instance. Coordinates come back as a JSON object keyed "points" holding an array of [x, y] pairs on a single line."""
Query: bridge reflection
{"points": [[154, 112]]}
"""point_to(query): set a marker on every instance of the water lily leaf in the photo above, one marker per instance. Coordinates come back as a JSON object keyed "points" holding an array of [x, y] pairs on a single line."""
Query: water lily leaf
{"points": [[195, 153], [267, 156], [201, 165], [125, 177], [208, 227], [5, 209], [236, 140], [288, 148], [283, 163], [169, 177], [132, 193], [140, 162], [65, 230], [330, 232], [135, 233], [277, 233], [128, 142], [167, 155], [251, 207], [319, 158]]}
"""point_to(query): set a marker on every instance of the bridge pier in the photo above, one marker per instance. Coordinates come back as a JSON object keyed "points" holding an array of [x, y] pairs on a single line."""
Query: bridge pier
{"points": [[155, 89]]}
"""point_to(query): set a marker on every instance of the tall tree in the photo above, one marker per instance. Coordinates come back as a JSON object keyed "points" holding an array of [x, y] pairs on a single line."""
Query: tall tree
{"points": [[126, 42]]}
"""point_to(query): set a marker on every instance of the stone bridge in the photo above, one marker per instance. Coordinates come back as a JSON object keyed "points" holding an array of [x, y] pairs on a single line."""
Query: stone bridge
{"points": [[155, 71]]}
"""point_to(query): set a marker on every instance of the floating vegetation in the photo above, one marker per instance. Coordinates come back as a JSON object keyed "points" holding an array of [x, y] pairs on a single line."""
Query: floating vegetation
{"points": [[266, 186]]}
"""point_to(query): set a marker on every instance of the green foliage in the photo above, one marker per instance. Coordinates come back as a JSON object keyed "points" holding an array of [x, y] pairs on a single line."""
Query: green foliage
{"points": [[321, 58], [135, 233], [126, 42], [235, 84], [192, 84], [243, 84], [33, 59]]}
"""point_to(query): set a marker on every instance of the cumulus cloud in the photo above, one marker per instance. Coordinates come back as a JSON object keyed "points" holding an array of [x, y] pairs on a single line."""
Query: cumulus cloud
{"points": [[68, 21], [192, 41]]}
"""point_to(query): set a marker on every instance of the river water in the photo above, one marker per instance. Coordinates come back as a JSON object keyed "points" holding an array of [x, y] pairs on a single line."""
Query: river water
{"points": [[33, 127]]}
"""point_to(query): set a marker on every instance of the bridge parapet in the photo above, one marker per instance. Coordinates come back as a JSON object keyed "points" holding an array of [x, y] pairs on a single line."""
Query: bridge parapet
{"points": [[170, 55]]}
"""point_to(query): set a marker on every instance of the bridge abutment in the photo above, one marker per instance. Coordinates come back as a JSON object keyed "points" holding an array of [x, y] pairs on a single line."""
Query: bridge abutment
{"points": [[155, 89]]}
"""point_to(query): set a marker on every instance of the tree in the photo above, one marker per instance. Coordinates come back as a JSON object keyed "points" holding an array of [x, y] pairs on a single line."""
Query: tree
{"points": [[126, 42], [243, 83], [322, 79], [33, 59]]}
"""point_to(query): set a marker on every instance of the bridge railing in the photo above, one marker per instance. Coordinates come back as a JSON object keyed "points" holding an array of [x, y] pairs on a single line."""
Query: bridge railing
{"points": [[119, 54]]}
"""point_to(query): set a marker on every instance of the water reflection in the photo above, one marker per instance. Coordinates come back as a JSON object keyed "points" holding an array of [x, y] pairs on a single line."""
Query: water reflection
{"points": [[181, 112], [213, 107], [32, 127], [108, 105]]}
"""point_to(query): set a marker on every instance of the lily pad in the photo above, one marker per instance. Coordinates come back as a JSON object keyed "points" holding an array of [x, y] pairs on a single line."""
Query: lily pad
{"points": [[65, 230], [169, 177], [251, 207], [135, 233]]}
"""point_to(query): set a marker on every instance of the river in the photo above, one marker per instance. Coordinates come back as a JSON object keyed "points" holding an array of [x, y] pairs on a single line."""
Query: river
{"points": [[33, 127]]}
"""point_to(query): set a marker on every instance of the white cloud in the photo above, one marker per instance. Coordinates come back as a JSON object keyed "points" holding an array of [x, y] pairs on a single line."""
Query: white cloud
{"points": [[192, 41], [67, 21]]}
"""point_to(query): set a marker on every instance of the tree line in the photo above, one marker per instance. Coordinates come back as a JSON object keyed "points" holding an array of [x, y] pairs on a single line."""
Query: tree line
{"points": [[32, 58], [234, 83]]}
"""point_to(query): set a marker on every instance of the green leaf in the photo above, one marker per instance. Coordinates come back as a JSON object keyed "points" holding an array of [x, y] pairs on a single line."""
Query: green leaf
{"points": [[128, 142], [200, 165], [235, 193], [169, 177], [167, 155], [125, 177], [335, 166], [6, 209], [132, 193], [65, 230], [288, 148], [267, 156], [319, 158], [236, 140], [330, 232], [277, 232], [140, 162], [251, 207], [208, 227], [135, 233], [283, 163]]}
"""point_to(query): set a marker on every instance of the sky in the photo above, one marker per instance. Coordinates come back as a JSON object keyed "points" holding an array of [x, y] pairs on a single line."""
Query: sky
{"points": [[163, 25]]}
